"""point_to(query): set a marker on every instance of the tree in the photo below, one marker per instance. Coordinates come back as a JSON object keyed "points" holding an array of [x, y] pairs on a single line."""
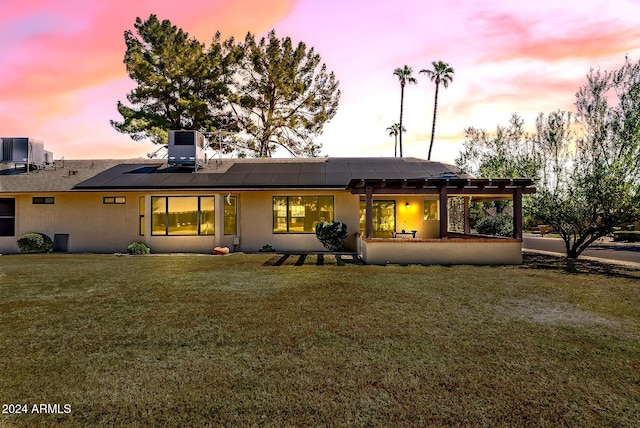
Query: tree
{"points": [[441, 73], [509, 153], [404, 76], [598, 186], [180, 83], [394, 130], [590, 179], [281, 96]]}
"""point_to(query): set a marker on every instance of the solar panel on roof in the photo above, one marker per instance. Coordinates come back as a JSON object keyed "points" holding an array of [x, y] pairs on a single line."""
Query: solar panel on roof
{"points": [[333, 172], [310, 179], [258, 179], [286, 178], [262, 168], [311, 168], [232, 178], [241, 167], [337, 179], [337, 167], [386, 167], [392, 175], [288, 167], [360, 167]]}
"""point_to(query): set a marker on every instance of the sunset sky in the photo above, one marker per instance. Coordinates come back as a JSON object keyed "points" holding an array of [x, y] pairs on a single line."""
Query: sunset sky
{"points": [[61, 69]]}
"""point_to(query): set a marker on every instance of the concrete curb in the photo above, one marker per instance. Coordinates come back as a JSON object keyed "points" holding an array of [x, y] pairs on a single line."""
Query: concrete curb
{"points": [[623, 263]]}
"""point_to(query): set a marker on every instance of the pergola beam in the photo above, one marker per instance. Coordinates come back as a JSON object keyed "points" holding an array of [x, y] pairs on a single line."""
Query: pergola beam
{"points": [[452, 191]]}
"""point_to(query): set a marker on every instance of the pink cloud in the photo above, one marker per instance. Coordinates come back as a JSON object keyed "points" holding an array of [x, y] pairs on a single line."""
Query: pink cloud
{"points": [[514, 37], [57, 51]]}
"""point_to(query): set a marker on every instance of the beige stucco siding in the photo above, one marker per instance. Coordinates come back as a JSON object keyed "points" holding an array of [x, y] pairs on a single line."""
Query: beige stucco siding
{"points": [[91, 225], [256, 220], [443, 252], [96, 227]]}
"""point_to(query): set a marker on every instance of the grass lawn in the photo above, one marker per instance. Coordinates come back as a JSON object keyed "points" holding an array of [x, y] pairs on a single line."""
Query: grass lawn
{"points": [[210, 341]]}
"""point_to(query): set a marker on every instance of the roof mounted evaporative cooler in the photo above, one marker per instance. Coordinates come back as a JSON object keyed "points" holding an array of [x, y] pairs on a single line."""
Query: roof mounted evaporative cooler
{"points": [[24, 151], [186, 148]]}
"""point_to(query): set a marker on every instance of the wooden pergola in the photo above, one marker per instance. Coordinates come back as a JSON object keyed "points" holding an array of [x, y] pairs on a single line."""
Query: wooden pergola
{"points": [[476, 188]]}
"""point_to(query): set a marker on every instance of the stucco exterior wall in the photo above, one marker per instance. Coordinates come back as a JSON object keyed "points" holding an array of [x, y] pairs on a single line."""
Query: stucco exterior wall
{"points": [[103, 228], [91, 225], [256, 221], [442, 252]]}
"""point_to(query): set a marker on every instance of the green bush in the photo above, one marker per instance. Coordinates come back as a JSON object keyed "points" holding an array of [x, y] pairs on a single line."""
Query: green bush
{"points": [[332, 234], [138, 248], [267, 249], [35, 243], [498, 225], [626, 235]]}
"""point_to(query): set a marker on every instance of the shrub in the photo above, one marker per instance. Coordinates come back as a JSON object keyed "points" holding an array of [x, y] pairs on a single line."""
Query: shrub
{"points": [[497, 225], [35, 243], [625, 235], [138, 248], [267, 249], [332, 234]]}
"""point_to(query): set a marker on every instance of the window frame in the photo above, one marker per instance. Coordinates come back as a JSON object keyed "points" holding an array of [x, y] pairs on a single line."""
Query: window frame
{"points": [[198, 216], [288, 215], [141, 212], [424, 209], [10, 219], [43, 200], [376, 232], [114, 200]]}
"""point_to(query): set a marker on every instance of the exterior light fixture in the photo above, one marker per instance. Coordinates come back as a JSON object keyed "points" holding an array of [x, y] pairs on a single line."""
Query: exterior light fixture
{"points": [[407, 205]]}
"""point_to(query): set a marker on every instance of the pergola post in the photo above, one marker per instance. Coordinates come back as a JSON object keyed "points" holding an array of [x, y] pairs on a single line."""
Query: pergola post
{"points": [[444, 215], [517, 213], [368, 212]]}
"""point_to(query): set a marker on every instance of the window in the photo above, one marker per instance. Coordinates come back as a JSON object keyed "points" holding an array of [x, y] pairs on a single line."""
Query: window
{"points": [[279, 214], [300, 214], [384, 218], [141, 213], [7, 217], [182, 215], [230, 215], [431, 211], [113, 200], [40, 200]]}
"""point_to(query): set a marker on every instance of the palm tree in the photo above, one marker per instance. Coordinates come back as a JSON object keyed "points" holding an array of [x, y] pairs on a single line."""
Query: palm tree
{"points": [[394, 130], [404, 75], [441, 73]]}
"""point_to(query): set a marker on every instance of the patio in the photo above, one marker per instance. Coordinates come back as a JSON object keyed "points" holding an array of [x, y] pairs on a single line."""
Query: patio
{"points": [[446, 247]]}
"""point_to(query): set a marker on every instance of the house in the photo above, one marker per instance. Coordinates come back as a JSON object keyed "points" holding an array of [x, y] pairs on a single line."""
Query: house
{"points": [[396, 209]]}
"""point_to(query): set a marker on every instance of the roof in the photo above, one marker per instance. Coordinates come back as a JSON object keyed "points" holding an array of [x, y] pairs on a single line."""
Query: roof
{"points": [[268, 174], [228, 174], [62, 176]]}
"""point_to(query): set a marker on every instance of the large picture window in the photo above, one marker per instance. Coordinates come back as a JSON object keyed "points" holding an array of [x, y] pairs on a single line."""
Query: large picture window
{"points": [[182, 215], [7, 217], [300, 214]]}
